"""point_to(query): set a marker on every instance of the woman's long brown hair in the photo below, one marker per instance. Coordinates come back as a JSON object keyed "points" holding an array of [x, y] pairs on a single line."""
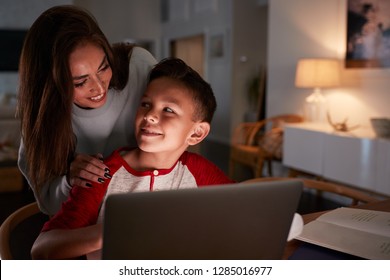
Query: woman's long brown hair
{"points": [[45, 95]]}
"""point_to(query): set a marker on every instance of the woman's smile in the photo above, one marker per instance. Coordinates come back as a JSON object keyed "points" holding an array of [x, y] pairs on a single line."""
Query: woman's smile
{"points": [[98, 98]]}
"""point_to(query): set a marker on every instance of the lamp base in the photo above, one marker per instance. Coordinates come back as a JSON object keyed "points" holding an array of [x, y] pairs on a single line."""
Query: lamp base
{"points": [[315, 107]]}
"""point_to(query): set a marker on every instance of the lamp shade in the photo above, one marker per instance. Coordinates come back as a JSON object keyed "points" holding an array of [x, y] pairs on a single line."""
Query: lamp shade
{"points": [[317, 73]]}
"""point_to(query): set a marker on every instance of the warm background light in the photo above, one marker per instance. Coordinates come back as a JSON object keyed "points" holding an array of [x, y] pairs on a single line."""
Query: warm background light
{"points": [[317, 73]]}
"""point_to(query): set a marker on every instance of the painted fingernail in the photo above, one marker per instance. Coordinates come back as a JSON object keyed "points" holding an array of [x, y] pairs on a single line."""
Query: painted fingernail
{"points": [[108, 176], [89, 185], [101, 180], [107, 170]]}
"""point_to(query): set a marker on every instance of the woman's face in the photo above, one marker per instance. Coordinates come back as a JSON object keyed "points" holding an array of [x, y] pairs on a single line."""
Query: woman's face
{"points": [[91, 75]]}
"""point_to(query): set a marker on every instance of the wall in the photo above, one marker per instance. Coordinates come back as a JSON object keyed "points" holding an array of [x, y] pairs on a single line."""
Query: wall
{"points": [[138, 20], [243, 27], [307, 28], [249, 55], [211, 18], [20, 14]]}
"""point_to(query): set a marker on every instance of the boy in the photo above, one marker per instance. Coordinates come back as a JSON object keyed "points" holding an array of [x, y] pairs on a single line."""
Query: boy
{"points": [[175, 112]]}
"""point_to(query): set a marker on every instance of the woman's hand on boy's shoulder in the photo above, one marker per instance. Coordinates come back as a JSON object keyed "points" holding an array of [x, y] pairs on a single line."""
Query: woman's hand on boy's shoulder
{"points": [[85, 169]]}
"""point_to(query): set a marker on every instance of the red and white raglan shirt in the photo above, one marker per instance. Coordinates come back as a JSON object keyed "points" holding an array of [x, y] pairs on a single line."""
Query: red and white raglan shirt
{"points": [[85, 206]]}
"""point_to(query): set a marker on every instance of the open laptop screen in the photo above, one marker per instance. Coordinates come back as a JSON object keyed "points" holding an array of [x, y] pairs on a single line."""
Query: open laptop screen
{"points": [[237, 221]]}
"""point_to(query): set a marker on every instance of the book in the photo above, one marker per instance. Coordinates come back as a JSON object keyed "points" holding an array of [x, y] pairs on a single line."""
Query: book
{"points": [[359, 232]]}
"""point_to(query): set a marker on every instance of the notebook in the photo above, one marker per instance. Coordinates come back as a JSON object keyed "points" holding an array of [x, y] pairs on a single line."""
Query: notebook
{"points": [[235, 221]]}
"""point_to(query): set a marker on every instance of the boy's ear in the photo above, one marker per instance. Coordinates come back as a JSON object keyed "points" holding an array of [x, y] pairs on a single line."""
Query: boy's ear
{"points": [[200, 132]]}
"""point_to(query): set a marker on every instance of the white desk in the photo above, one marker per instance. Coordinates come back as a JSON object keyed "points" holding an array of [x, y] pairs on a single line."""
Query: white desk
{"points": [[356, 158]]}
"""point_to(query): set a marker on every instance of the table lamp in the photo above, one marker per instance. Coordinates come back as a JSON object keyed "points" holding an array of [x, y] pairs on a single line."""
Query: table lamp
{"points": [[317, 73]]}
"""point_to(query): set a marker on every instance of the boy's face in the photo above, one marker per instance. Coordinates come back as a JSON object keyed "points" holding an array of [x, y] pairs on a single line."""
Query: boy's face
{"points": [[164, 118]]}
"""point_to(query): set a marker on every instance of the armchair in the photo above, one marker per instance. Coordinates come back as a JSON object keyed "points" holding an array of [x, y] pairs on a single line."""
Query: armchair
{"points": [[254, 143]]}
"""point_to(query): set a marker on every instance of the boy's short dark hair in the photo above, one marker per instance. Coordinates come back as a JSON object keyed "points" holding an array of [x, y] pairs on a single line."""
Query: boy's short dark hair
{"points": [[203, 96]]}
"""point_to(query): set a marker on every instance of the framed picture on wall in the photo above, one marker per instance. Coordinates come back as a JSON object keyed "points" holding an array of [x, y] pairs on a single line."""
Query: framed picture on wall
{"points": [[368, 34]]}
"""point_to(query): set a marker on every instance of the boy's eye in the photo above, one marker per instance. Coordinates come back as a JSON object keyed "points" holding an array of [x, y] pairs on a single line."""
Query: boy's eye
{"points": [[145, 104], [167, 109]]}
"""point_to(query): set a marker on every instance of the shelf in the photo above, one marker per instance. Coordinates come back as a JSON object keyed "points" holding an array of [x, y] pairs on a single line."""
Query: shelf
{"points": [[355, 158]]}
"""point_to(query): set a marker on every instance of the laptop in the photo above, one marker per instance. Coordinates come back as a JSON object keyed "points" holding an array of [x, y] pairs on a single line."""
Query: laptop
{"points": [[240, 221]]}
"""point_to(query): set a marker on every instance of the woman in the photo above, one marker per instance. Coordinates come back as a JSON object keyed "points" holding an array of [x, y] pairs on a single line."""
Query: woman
{"points": [[77, 102]]}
